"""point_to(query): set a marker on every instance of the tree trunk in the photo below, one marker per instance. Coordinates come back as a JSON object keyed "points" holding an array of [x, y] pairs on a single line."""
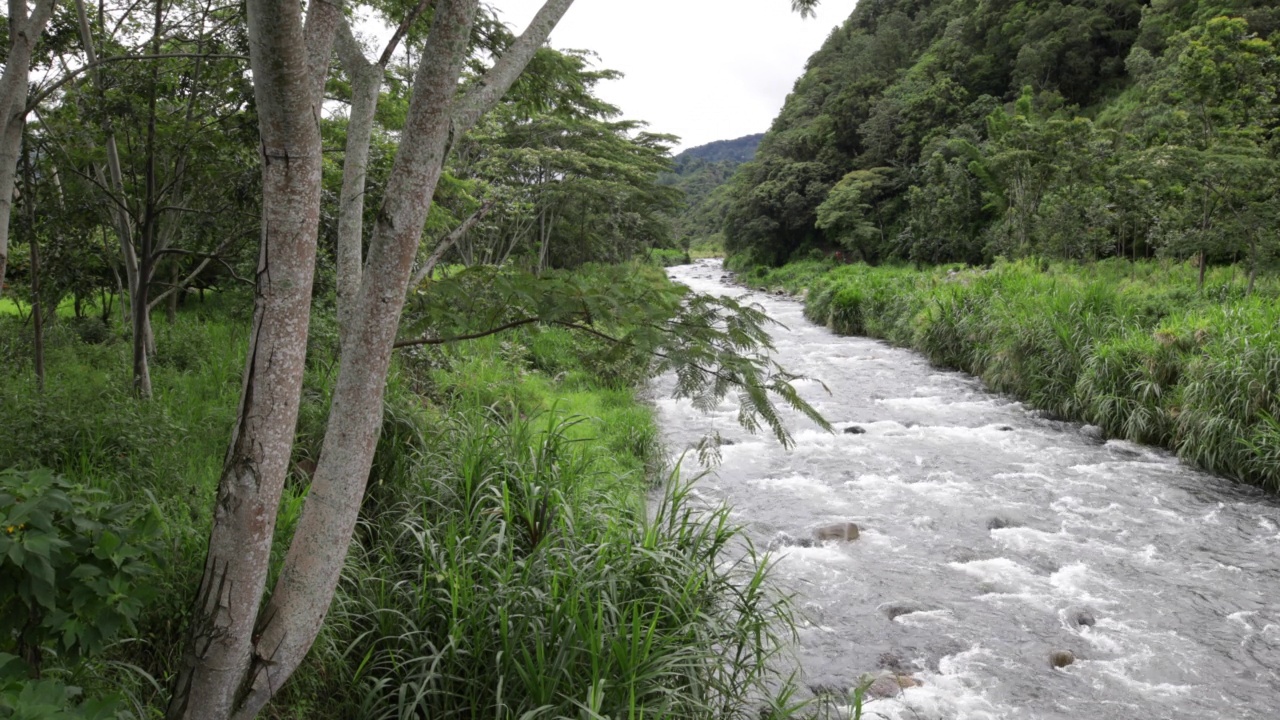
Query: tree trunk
{"points": [[233, 665], [222, 661], [366, 85], [37, 306], [24, 32], [319, 548]]}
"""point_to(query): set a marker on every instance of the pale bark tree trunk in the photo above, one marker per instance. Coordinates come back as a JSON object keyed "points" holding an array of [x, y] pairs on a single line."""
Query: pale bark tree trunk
{"points": [[319, 548], [234, 664], [222, 659], [366, 85], [136, 270], [24, 31]]}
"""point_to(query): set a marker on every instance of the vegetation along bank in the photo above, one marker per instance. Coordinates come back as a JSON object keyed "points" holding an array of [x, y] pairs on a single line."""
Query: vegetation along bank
{"points": [[504, 561], [1134, 348]]}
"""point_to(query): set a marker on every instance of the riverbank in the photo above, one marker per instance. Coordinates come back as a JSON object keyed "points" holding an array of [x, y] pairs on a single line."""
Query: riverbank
{"points": [[1134, 348], [506, 562]]}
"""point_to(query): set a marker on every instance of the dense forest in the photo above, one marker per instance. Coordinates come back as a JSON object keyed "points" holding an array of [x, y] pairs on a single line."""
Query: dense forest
{"points": [[966, 130], [702, 174]]}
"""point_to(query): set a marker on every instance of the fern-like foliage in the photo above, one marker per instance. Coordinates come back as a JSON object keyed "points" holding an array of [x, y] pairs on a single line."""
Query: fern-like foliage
{"points": [[714, 346]]}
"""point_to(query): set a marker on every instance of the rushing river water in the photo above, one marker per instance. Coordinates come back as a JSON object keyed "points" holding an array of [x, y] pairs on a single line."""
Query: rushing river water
{"points": [[1180, 569]]}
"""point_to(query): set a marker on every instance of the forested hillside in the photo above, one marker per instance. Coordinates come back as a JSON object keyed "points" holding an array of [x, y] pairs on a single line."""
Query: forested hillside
{"points": [[962, 130], [701, 173]]}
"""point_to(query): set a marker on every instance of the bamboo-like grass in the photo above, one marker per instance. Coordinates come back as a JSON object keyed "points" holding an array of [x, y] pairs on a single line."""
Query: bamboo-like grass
{"points": [[507, 585]]}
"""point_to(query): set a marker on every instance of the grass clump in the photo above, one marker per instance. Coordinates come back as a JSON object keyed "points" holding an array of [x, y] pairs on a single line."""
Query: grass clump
{"points": [[1135, 348], [521, 579]]}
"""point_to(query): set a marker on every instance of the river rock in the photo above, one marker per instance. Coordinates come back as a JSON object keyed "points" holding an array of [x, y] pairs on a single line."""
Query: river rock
{"points": [[1084, 618], [890, 685], [844, 532], [779, 292], [999, 523], [1005, 428], [1061, 658], [889, 661], [899, 608], [855, 430]]}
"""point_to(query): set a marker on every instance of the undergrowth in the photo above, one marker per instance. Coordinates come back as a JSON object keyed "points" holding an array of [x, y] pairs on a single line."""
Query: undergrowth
{"points": [[507, 562]]}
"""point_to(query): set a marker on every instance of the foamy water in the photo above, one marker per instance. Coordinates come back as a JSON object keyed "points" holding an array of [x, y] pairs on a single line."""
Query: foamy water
{"points": [[1000, 528]]}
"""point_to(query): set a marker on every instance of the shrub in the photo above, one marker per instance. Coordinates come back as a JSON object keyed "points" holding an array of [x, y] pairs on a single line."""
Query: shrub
{"points": [[72, 566]]}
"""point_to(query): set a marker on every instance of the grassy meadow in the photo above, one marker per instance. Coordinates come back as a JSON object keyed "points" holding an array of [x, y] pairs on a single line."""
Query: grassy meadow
{"points": [[1135, 348]]}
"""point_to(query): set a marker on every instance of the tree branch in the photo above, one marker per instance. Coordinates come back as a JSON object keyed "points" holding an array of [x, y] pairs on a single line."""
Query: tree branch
{"points": [[470, 336], [400, 32], [448, 241], [498, 80]]}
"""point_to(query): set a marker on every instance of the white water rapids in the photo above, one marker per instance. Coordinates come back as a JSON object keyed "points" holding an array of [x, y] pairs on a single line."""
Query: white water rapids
{"points": [[1180, 569]]}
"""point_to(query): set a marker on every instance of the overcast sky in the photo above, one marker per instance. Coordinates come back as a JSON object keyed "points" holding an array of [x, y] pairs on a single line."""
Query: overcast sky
{"points": [[701, 69]]}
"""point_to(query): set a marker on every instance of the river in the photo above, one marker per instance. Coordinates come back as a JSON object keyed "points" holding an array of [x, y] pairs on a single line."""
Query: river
{"points": [[1003, 529]]}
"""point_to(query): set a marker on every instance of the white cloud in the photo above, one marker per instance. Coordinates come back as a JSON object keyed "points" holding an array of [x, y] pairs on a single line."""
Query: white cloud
{"points": [[701, 69]]}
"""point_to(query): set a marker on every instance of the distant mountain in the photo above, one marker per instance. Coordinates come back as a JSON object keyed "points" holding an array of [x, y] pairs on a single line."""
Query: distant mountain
{"points": [[702, 172], [736, 151]]}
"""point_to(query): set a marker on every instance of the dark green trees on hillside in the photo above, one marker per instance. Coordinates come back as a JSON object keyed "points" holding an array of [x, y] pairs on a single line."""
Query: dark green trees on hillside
{"points": [[959, 130], [701, 173]]}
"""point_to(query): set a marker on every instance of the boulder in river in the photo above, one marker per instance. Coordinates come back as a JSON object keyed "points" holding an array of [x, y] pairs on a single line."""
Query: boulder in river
{"points": [[999, 523], [844, 532], [854, 430], [890, 685], [899, 608], [890, 661], [1082, 618], [1061, 658]]}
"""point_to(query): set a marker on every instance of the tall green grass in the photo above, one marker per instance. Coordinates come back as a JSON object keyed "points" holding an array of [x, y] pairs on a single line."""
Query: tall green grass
{"points": [[513, 583], [1136, 349], [507, 563]]}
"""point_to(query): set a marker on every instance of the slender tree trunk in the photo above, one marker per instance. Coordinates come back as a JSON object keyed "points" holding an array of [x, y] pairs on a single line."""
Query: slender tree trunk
{"points": [[366, 85], [223, 661], [37, 306], [124, 223], [233, 664], [24, 31], [319, 548], [10, 147]]}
